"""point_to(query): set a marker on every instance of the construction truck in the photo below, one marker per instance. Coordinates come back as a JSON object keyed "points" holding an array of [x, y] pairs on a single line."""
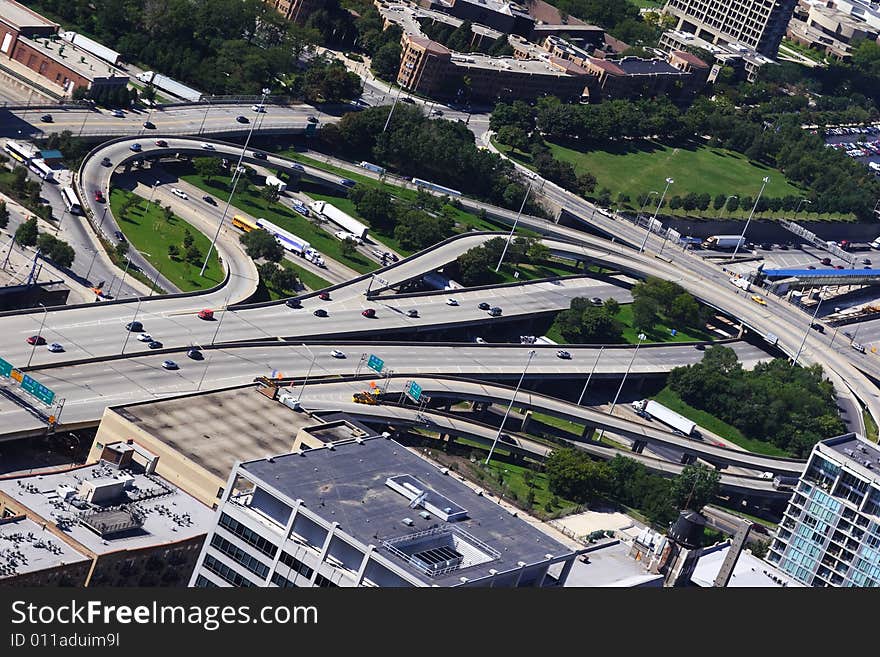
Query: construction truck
{"points": [[366, 397]]}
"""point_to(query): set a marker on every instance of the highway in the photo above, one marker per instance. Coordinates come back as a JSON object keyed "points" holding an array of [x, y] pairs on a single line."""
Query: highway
{"points": [[88, 388]]}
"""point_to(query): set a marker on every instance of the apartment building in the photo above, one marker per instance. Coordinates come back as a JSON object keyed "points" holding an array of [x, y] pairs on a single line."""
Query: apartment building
{"points": [[758, 24], [829, 30], [369, 513], [830, 533], [296, 11]]}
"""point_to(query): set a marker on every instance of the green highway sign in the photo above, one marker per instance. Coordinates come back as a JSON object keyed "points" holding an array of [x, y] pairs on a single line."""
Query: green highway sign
{"points": [[414, 391], [5, 369], [375, 363], [37, 389]]}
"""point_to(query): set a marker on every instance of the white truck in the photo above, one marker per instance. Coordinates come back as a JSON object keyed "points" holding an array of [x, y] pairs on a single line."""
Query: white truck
{"points": [[741, 283], [169, 85], [656, 410], [724, 242], [276, 182]]}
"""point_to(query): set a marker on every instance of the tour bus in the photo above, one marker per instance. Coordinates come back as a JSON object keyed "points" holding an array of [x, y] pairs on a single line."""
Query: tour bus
{"points": [[43, 170], [19, 152], [70, 200], [244, 223]]}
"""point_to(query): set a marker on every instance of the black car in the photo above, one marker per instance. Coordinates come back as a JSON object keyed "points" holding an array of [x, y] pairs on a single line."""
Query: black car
{"points": [[106, 162], [195, 354], [260, 155], [118, 235], [767, 246], [293, 303], [312, 119], [242, 119], [149, 125], [209, 199], [407, 99], [320, 312], [484, 306], [700, 347], [816, 326], [46, 118], [154, 344], [134, 327]]}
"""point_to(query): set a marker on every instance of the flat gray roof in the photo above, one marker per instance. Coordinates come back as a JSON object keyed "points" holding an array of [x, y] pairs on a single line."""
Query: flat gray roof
{"points": [[348, 485], [169, 514], [611, 565], [216, 429], [749, 571], [852, 448], [25, 547], [20, 16], [81, 61]]}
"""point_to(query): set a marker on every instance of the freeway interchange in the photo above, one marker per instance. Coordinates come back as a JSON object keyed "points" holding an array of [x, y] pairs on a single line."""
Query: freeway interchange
{"points": [[93, 374]]}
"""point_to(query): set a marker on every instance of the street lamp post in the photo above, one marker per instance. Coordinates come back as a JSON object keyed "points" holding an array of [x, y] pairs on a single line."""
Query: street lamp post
{"points": [[127, 332], [797, 209], [205, 117], [584, 391], [513, 228], [532, 353], [235, 178], [642, 337], [806, 333], [155, 185], [207, 365], [306, 382], [91, 263], [124, 272], [42, 324], [669, 181], [220, 321], [727, 200], [836, 328], [742, 237], [642, 209]]}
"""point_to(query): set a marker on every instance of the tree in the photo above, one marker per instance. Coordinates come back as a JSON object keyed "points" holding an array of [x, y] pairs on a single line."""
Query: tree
{"points": [[684, 310], [386, 61], [473, 267], [4, 215], [188, 239], [572, 474], [208, 167], [348, 248], [586, 183], [26, 233], [173, 252], [261, 243], [612, 307], [645, 314], [695, 487], [599, 327], [121, 249], [193, 255], [270, 193], [718, 203], [55, 249], [732, 204]]}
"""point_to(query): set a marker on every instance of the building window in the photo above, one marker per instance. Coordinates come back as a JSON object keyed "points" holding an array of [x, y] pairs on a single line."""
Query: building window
{"points": [[240, 556], [225, 572], [248, 535], [323, 582], [203, 582], [296, 565]]}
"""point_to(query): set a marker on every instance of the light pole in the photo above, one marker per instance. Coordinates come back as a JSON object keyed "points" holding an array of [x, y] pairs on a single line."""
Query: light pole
{"points": [[127, 332], [391, 111], [742, 237], [727, 200], [42, 324], [532, 353], [583, 392], [220, 321], [155, 185], [124, 272], [82, 127], [669, 181], [797, 209], [205, 117], [235, 178], [642, 209], [806, 333], [642, 337], [513, 228], [306, 382], [836, 328], [91, 263]]}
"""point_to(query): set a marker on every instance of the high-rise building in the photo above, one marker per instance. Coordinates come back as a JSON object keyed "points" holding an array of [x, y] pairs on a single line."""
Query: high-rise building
{"points": [[759, 24], [830, 533], [369, 512]]}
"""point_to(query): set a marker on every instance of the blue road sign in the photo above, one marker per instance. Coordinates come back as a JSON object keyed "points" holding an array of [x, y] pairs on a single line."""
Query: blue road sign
{"points": [[5, 368], [414, 391], [37, 389], [375, 363]]}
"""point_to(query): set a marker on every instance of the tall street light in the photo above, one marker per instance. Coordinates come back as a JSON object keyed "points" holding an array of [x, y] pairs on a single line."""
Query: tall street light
{"points": [[642, 336], [42, 324], [742, 237], [127, 332], [205, 117], [797, 209], [532, 353], [642, 209], [669, 181], [306, 382], [513, 228], [584, 391], [807, 332], [235, 178], [727, 200]]}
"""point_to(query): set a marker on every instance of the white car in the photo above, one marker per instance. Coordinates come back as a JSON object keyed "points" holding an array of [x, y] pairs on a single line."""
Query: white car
{"points": [[207, 146], [479, 340], [179, 192], [451, 302], [145, 337], [118, 113], [337, 354], [258, 108], [766, 475]]}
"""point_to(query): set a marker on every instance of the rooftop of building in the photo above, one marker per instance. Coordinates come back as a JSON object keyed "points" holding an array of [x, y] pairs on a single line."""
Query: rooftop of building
{"points": [[690, 58], [19, 16], [543, 66], [131, 511], [851, 447], [214, 429], [566, 46], [843, 18], [735, 49], [610, 565], [335, 431], [26, 547], [749, 571], [636, 66], [76, 59], [544, 12], [430, 46], [352, 484]]}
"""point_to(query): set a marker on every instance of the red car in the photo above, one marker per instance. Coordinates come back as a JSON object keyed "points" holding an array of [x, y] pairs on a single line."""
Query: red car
{"points": [[324, 296], [161, 143], [36, 339], [206, 314], [369, 312], [839, 267], [99, 197]]}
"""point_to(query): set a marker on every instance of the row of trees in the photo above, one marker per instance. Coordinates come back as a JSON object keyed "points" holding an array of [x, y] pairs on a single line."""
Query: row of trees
{"points": [[28, 234], [476, 266], [118, 95], [416, 225], [463, 38], [791, 407], [585, 323], [383, 45], [572, 474], [187, 251], [655, 298], [437, 150]]}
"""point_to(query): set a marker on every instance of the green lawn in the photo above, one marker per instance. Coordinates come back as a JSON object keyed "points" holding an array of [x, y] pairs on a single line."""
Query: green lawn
{"points": [[147, 230], [252, 203], [635, 168], [670, 399], [559, 423], [870, 426], [514, 482], [661, 332], [810, 53], [306, 277]]}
